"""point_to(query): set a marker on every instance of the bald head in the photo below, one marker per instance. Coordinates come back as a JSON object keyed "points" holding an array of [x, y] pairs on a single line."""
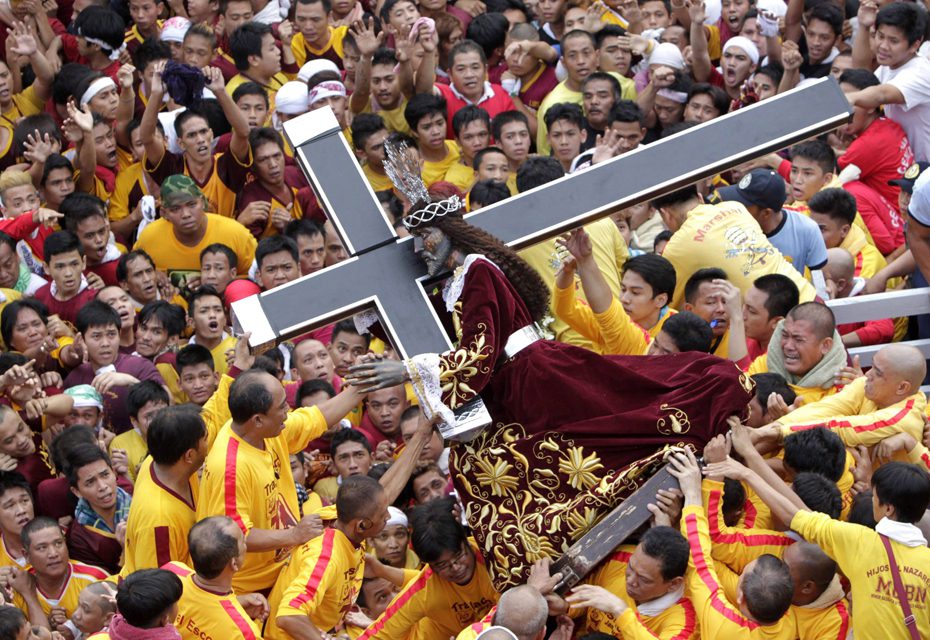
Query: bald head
{"points": [[821, 319], [811, 569], [524, 611], [840, 265], [905, 363]]}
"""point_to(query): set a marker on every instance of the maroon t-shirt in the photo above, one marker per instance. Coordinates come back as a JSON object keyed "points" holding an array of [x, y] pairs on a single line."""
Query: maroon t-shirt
{"points": [[114, 401], [67, 310]]}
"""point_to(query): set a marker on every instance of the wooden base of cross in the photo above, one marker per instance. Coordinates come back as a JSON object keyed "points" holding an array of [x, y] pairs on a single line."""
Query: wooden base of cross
{"points": [[613, 529]]}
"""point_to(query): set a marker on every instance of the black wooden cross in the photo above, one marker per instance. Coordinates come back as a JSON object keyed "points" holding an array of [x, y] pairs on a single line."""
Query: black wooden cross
{"points": [[383, 273]]}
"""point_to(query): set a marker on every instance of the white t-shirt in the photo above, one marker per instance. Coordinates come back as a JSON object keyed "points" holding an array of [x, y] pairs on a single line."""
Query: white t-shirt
{"points": [[912, 79]]}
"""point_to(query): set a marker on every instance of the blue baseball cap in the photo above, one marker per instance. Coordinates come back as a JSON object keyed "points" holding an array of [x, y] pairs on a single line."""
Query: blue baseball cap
{"points": [[913, 172], [760, 187]]}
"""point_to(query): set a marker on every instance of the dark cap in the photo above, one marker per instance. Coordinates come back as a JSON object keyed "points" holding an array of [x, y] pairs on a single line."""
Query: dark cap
{"points": [[910, 176], [760, 187]]}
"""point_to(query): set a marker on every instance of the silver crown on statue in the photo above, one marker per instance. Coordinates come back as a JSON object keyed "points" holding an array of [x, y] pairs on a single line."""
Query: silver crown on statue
{"points": [[404, 171]]}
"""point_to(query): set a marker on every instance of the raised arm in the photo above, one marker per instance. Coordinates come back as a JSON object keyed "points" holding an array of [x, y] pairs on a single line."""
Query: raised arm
{"points": [[862, 57], [595, 287], [127, 104], [79, 128], [154, 151], [239, 143], [700, 58], [25, 45], [367, 42], [793, 17]]}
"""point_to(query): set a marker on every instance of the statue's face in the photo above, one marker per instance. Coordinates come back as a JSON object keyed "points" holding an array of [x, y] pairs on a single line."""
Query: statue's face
{"points": [[433, 246]]}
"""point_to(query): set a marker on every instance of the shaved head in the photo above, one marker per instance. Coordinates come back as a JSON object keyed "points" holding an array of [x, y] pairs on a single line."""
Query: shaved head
{"points": [[808, 563], [906, 363], [818, 315], [524, 611], [840, 264]]}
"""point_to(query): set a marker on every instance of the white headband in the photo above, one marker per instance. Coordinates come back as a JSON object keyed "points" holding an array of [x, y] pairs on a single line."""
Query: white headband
{"points": [[114, 53], [675, 96], [98, 85], [396, 517], [291, 99], [744, 43], [326, 89]]}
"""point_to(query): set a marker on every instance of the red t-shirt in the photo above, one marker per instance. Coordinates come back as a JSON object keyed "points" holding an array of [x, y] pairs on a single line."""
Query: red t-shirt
{"points": [[106, 271], [538, 87], [67, 310], [883, 153], [881, 216], [496, 102]]}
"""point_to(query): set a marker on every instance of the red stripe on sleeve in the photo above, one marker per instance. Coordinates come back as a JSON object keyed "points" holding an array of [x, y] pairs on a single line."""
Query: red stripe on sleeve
{"points": [[229, 484], [843, 612], [403, 598], [709, 579], [845, 424], [244, 627], [750, 514], [176, 569], [713, 513], [162, 546], [89, 570], [690, 620], [313, 583], [621, 556], [858, 270]]}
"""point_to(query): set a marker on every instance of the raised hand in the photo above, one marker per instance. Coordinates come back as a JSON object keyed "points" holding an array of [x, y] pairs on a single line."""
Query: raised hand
{"points": [[37, 148], [286, 32], [578, 243], [366, 39], [82, 118], [662, 77], [157, 84], [717, 449], [24, 43], [215, 82], [868, 12], [126, 76], [791, 55], [666, 510], [696, 11], [606, 146]]}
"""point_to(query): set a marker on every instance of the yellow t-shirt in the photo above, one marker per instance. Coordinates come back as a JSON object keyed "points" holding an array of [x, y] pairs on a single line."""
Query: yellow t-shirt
{"points": [[302, 51], [255, 488], [159, 241], [378, 181], [677, 621], [461, 176], [725, 235], [7, 559], [219, 352], [127, 180], [159, 520], [435, 171], [393, 118], [277, 81], [205, 614], [25, 103], [610, 253], [79, 576], [135, 447], [807, 394], [321, 582]]}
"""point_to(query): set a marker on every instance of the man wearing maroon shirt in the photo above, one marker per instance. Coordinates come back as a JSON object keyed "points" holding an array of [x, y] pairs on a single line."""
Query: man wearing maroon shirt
{"points": [[86, 217], [65, 263], [468, 69]]}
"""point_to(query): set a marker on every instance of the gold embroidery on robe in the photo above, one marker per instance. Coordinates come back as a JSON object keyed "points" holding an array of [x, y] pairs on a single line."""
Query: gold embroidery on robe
{"points": [[675, 422], [464, 364]]}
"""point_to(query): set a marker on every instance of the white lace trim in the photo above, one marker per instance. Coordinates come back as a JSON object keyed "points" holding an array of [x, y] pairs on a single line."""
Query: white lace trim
{"points": [[453, 289], [365, 319], [424, 377]]}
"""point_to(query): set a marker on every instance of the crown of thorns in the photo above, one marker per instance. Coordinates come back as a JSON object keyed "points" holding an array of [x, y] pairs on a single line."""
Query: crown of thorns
{"points": [[432, 211], [404, 171]]}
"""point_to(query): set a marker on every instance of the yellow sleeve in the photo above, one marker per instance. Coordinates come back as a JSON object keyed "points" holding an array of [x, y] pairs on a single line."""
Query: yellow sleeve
{"points": [[629, 626], [576, 314], [405, 611], [302, 597], [919, 455], [845, 403], [225, 490], [714, 46], [716, 617], [729, 580], [620, 334], [215, 411], [302, 426], [867, 429], [842, 541], [63, 342], [297, 48], [627, 88], [28, 102], [119, 202], [246, 251]]}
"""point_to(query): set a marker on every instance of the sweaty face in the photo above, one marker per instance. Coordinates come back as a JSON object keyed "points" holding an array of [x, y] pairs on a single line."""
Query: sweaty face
{"points": [[209, 318], [102, 343], [312, 361], [429, 486], [710, 307], [385, 407], [16, 509], [345, 349], [456, 566], [140, 280], [598, 99], [820, 40], [637, 298], [736, 65], [613, 57], [351, 459], [644, 580], [734, 11], [474, 137], [94, 234], [215, 271], [806, 178], [29, 331], [89, 616], [801, 347], [196, 139], [391, 545], [105, 144], [700, 108], [105, 104], [756, 318], [151, 338], [312, 251], [655, 15], [66, 270], [47, 552], [18, 200], [565, 138], [58, 185], [277, 269], [385, 88], [431, 130], [882, 385], [96, 483], [313, 22], [197, 51]]}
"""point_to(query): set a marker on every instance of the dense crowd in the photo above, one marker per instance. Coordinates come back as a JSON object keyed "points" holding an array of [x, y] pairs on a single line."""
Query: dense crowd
{"points": [[159, 480]]}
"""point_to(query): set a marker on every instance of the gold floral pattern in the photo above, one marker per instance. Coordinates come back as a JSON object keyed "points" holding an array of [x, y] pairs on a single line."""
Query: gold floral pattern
{"points": [[467, 364], [530, 496], [675, 422], [580, 469]]}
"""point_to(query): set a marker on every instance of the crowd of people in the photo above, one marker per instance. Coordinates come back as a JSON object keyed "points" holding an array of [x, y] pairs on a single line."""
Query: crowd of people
{"points": [[159, 480]]}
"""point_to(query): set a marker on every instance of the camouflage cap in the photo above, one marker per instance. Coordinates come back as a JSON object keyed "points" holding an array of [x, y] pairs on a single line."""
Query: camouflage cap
{"points": [[178, 188]]}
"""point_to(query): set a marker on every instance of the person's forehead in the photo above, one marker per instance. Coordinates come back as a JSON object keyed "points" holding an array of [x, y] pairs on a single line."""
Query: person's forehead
{"points": [[14, 493], [111, 294], [215, 257], [97, 220], [494, 156], [66, 257], [139, 263], [349, 447], [278, 257], [196, 369], [194, 123], [94, 468], [387, 394], [309, 347]]}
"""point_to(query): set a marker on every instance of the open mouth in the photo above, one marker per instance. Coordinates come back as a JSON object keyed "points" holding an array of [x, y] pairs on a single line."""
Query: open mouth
{"points": [[213, 325]]}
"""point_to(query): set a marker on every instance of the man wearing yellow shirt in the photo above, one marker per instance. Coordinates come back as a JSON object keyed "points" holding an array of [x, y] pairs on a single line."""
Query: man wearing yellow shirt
{"points": [[724, 235], [208, 320], [247, 472], [258, 58], [368, 135], [452, 592], [650, 580], [58, 580], [166, 491], [886, 401], [313, 594], [209, 608], [834, 211], [426, 117], [703, 298], [765, 589], [381, 84], [176, 240], [16, 510], [472, 127], [806, 351], [315, 37]]}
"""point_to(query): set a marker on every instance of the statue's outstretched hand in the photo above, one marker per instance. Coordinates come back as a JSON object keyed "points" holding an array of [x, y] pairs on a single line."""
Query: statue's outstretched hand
{"points": [[373, 375]]}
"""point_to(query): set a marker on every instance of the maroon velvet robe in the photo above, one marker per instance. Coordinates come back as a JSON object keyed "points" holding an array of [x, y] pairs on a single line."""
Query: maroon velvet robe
{"points": [[574, 432]]}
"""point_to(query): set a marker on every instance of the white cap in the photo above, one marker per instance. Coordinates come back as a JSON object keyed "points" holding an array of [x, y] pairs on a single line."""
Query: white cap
{"points": [[667, 54], [174, 29], [292, 99], [314, 67], [919, 207], [744, 43], [396, 517]]}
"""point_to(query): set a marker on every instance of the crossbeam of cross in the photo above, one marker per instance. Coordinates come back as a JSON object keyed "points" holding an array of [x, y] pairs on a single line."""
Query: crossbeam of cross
{"points": [[384, 275]]}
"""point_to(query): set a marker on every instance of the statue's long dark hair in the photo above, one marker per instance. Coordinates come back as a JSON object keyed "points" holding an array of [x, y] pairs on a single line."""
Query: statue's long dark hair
{"points": [[523, 277]]}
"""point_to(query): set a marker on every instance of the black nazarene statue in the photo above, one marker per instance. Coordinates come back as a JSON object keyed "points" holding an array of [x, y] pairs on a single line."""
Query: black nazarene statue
{"points": [[574, 433]]}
